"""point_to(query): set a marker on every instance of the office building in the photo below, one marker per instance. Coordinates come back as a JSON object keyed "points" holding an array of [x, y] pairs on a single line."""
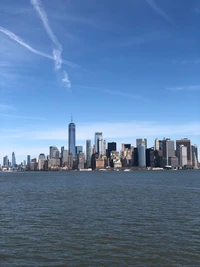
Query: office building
{"points": [[81, 160], [173, 161], [194, 156], [28, 160], [24, 163], [79, 149], [62, 149], [97, 135], [6, 162], [88, 153], [156, 146], [135, 157], [168, 150], [141, 142], [54, 152], [150, 157], [99, 146], [112, 146], [104, 147], [182, 157], [72, 138], [185, 142], [41, 163], [141, 155], [41, 156], [13, 160]]}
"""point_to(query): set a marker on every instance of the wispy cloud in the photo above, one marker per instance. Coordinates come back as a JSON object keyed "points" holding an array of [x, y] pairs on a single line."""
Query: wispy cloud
{"points": [[113, 92], [4, 107], [159, 11], [66, 80], [43, 16], [20, 41], [185, 88], [3, 115]]}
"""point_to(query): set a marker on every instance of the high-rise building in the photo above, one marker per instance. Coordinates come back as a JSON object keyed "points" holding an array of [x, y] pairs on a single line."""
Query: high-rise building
{"points": [[194, 156], [141, 155], [72, 138], [111, 147], [182, 157], [13, 160], [81, 160], [99, 146], [97, 135], [141, 142], [79, 149], [104, 147], [185, 142], [88, 153], [28, 160], [24, 163], [54, 152], [135, 157], [41, 156], [150, 157], [62, 149], [156, 144], [168, 150], [5, 161]]}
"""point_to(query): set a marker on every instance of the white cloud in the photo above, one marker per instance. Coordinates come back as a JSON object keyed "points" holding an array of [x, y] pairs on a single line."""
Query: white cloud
{"points": [[159, 11], [6, 107], [66, 80], [185, 88]]}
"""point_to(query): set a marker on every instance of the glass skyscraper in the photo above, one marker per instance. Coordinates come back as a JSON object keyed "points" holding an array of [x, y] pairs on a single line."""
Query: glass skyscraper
{"points": [[72, 138], [88, 153], [96, 138], [13, 160]]}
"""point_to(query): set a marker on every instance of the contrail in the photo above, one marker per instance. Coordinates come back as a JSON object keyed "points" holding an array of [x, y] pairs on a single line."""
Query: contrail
{"points": [[43, 16], [20, 41]]}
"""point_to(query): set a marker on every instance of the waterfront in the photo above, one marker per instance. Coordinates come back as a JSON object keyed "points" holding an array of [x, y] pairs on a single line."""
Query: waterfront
{"points": [[100, 218]]}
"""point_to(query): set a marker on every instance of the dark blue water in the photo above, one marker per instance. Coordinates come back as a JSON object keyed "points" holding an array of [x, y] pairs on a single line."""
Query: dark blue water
{"points": [[100, 219]]}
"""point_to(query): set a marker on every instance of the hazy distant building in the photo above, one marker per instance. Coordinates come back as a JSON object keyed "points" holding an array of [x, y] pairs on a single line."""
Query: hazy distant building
{"points": [[156, 146], [112, 146], [5, 161], [194, 155], [99, 146], [88, 153], [54, 152], [104, 147], [185, 142], [168, 150], [141, 142], [24, 163], [182, 155], [79, 149], [150, 157], [42, 156], [141, 155], [62, 149], [13, 160], [41, 163], [97, 135], [28, 160], [72, 138]]}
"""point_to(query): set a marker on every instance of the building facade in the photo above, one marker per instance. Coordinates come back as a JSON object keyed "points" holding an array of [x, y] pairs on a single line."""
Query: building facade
{"points": [[13, 160], [97, 135], [72, 138], [88, 153], [185, 142], [168, 150], [141, 155]]}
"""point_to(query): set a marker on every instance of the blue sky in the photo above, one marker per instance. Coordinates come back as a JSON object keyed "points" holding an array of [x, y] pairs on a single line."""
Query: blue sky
{"points": [[127, 68]]}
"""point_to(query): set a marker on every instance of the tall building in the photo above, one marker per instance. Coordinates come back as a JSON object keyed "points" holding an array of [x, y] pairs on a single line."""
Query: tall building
{"points": [[141, 142], [24, 163], [185, 142], [72, 138], [104, 147], [54, 152], [168, 150], [62, 149], [88, 153], [135, 157], [79, 149], [194, 156], [182, 157], [5, 161], [13, 160], [111, 147], [150, 157], [28, 160], [156, 146], [99, 146], [141, 155], [97, 135], [41, 156], [81, 160]]}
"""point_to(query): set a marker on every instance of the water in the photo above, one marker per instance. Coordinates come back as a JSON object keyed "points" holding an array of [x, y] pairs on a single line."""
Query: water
{"points": [[100, 219]]}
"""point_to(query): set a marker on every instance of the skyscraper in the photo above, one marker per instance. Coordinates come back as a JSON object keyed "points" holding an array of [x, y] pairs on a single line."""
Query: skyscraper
{"points": [[13, 160], [182, 155], [79, 149], [150, 157], [104, 147], [185, 142], [156, 144], [194, 155], [111, 147], [88, 153], [141, 155], [141, 142], [99, 146], [72, 138], [28, 160], [168, 150], [5, 161], [97, 135]]}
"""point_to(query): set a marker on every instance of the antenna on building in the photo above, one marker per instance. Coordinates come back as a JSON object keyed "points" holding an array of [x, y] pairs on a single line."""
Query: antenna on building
{"points": [[71, 117]]}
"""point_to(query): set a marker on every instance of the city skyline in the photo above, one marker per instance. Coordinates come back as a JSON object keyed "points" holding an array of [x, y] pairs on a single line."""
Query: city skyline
{"points": [[127, 69]]}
